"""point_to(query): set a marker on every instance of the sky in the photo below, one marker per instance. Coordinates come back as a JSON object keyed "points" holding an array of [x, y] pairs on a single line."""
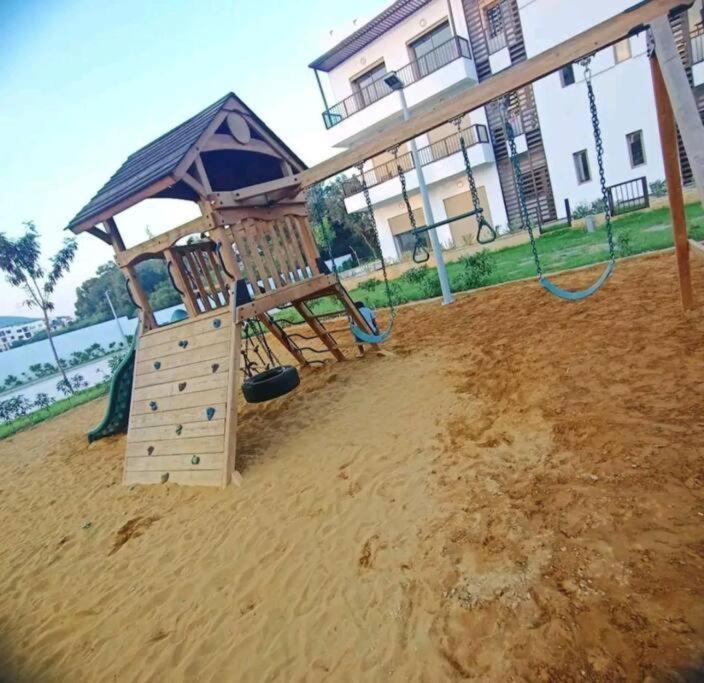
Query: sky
{"points": [[83, 84]]}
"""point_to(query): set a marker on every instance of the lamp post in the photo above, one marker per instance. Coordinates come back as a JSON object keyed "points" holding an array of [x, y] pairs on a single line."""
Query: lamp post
{"points": [[395, 83]]}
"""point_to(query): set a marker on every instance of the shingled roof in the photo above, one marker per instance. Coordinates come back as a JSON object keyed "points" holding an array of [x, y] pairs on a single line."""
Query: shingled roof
{"points": [[153, 166], [393, 15]]}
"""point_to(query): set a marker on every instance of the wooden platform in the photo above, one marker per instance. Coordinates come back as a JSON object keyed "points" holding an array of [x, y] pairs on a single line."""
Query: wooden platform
{"points": [[178, 429]]}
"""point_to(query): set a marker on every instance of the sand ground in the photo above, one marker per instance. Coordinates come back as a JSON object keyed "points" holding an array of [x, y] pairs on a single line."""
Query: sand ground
{"points": [[514, 495]]}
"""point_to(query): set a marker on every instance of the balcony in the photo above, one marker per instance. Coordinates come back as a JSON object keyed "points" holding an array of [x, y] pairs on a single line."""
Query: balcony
{"points": [[696, 41], [479, 150], [448, 65]]}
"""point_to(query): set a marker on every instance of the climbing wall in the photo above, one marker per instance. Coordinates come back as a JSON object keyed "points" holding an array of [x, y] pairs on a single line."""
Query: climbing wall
{"points": [[182, 422]]}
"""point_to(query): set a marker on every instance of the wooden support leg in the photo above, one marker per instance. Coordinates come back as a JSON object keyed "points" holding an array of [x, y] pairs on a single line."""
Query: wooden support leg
{"points": [[233, 390], [354, 313], [668, 142], [282, 338], [319, 329]]}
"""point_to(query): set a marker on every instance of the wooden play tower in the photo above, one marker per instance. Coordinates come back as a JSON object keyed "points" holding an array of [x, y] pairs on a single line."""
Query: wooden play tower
{"points": [[250, 251]]}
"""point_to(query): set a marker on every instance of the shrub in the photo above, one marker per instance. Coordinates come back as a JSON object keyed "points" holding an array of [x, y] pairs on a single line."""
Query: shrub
{"points": [[430, 286], [623, 244], [415, 275], [658, 188], [584, 209], [42, 401], [476, 270], [369, 285], [78, 382]]}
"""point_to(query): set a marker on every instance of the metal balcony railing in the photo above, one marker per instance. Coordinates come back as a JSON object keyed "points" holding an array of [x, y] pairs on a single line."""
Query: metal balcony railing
{"points": [[696, 39], [441, 149], [442, 55]]}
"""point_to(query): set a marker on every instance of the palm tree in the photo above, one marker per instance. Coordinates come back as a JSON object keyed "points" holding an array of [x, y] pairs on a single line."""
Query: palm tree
{"points": [[20, 261]]}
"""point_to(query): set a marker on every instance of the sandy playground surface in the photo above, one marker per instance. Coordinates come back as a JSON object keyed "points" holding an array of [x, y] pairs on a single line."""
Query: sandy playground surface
{"points": [[514, 495]]}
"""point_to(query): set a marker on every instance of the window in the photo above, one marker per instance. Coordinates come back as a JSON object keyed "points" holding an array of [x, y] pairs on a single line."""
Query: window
{"points": [[494, 20], [567, 75], [622, 51], [636, 150], [370, 86], [581, 165], [425, 53]]}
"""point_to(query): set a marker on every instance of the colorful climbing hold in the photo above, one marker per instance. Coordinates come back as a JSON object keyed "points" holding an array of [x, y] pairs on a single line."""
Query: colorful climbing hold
{"points": [[183, 343], [157, 364], [216, 323], [195, 460], [164, 477], [181, 386], [209, 413], [150, 450], [153, 405], [214, 367], [179, 429]]}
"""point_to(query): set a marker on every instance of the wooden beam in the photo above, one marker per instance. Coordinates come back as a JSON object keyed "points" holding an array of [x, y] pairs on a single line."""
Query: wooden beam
{"points": [[154, 188], [220, 199], [319, 329], [440, 110], [116, 240], [282, 338], [203, 175], [681, 97], [173, 262], [100, 234], [158, 244], [259, 213], [668, 143], [301, 291], [195, 185]]}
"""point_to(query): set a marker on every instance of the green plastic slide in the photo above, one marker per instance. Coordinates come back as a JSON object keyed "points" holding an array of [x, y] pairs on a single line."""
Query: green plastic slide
{"points": [[119, 398]]}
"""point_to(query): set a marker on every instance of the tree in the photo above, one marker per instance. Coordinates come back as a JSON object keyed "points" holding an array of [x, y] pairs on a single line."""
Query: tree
{"points": [[330, 220], [42, 401], [20, 261]]}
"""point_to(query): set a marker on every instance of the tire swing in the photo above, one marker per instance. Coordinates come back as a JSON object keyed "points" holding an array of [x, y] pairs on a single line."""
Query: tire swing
{"points": [[566, 294], [265, 377]]}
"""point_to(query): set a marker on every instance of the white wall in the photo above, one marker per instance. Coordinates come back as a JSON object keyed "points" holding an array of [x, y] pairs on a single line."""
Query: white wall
{"points": [[623, 93], [485, 176]]}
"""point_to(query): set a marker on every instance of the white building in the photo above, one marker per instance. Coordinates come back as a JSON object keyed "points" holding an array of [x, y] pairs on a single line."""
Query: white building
{"points": [[26, 329], [438, 47]]}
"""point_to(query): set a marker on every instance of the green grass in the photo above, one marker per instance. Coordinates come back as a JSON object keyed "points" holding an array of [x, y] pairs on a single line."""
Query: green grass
{"points": [[560, 248], [56, 408]]}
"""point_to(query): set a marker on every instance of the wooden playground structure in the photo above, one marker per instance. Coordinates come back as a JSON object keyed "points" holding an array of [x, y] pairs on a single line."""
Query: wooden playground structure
{"points": [[252, 249]]}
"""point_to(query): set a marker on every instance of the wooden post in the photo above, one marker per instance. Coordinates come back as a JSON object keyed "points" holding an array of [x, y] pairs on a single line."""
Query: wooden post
{"points": [[668, 142], [139, 295], [319, 329], [173, 262]]}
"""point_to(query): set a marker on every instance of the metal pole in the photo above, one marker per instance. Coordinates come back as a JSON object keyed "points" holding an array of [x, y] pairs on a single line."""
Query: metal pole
{"points": [[117, 321], [447, 297]]}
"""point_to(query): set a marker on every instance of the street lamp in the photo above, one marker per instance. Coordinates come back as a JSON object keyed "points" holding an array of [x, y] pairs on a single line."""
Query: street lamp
{"points": [[396, 84]]}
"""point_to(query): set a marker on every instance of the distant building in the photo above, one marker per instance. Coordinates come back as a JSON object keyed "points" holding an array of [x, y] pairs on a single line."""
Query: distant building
{"points": [[24, 329], [438, 48]]}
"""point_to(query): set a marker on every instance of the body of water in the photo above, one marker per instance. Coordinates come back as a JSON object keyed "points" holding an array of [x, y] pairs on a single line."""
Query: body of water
{"points": [[16, 361]]}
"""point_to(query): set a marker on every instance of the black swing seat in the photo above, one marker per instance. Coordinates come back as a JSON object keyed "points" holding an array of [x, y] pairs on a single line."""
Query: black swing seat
{"points": [[270, 384]]}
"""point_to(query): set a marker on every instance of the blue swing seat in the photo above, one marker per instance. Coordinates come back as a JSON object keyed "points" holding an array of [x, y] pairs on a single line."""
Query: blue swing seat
{"points": [[581, 293], [367, 337]]}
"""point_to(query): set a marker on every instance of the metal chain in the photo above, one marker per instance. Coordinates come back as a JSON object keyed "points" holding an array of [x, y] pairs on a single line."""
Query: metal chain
{"points": [[518, 177], [370, 212], [599, 144], [476, 204], [253, 330], [420, 251]]}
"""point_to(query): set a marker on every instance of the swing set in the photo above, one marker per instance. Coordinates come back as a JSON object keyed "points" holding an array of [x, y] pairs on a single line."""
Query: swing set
{"points": [[255, 256]]}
